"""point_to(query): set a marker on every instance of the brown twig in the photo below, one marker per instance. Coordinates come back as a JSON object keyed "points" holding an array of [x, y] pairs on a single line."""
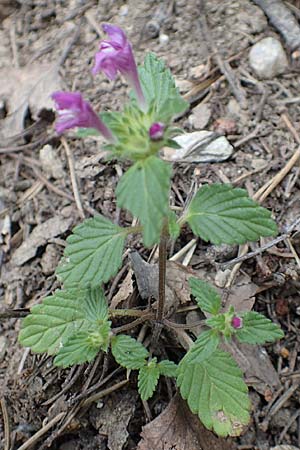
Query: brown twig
{"points": [[6, 424], [107, 391], [266, 189], [71, 164], [224, 66], [162, 265], [133, 324], [255, 252], [278, 404], [14, 313], [36, 437]]}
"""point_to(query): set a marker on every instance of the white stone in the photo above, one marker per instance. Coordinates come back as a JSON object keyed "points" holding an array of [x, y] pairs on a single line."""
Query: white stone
{"points": [[163, 39], [267, 58]]}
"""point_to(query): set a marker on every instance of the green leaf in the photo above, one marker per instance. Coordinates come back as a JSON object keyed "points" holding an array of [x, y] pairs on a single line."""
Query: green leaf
{"points": [[206, 296], [144, 191], [147, 380], [93, 254], [160, 90], [174, 227], [63, 314], [167, 368], [257, 329], [128, 352], [221, 214], [77, 350], [83, 346], [203, 347], [215, 390]]}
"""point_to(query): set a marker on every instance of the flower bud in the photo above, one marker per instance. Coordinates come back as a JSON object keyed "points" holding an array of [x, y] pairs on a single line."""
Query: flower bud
{"points": [[156, 131], [237, 322]]}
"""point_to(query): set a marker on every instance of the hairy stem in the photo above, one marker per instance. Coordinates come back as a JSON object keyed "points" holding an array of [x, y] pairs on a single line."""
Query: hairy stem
{"points": [[162, 261]]}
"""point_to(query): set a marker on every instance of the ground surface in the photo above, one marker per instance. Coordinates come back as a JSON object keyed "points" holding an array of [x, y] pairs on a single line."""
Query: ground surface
{"points": [[47, 44]]}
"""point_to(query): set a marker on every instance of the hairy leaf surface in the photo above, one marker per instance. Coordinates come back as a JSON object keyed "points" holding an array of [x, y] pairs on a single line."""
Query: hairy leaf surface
{"points": [[144, 191], [147, 380], [222, 214], [206, 296], [93, 254], [128, 352], [257, 329], [215, 390], [160, 90], [63, 314]]}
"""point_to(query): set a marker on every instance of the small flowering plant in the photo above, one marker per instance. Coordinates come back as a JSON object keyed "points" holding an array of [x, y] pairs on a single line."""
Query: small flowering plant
{"points": [[75, 323]]}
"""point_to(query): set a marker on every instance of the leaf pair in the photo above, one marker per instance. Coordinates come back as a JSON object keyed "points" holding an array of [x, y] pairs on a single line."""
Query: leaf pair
{"points": [[72, 324], [130, 353], [256, 328], [208, 378]]}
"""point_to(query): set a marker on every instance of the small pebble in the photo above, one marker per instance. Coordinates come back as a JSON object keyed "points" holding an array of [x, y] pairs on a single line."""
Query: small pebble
{"points": [[123, 10], [267, 58], [163, 39]]}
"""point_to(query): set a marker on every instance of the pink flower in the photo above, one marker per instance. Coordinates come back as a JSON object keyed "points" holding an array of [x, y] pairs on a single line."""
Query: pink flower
{"points": [[116, 56], [237, 322], [73, 111], [156, 131]]}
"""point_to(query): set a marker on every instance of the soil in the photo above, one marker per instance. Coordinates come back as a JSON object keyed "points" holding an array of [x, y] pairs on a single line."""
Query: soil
{"points": [[39, 35]]}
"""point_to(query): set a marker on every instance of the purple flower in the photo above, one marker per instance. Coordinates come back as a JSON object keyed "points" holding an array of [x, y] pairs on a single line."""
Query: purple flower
{"points": [[73, 111], [156, 131], [116, 56], [237, 322]]}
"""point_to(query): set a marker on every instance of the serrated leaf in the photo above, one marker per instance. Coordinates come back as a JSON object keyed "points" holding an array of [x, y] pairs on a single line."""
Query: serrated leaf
{"points": [[160, 90], [221, 214], [128, 352], [77, 350], [63, 314], [93, 254], [257, 329], [147, 380], [203, 347], [167, 368], [215, 390], [144, 191], [206, 296]]}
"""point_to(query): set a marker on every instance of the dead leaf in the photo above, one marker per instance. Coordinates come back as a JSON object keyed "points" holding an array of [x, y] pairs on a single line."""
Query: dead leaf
{"points": [[177, 287], [23, 89], [124, 291], [256, 365], [40, 236], [242, 294], [112, 419], [176, 428]]}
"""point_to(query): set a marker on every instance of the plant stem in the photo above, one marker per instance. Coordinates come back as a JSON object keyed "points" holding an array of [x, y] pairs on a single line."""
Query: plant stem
{"points": [[128, 313], [162, 264]]}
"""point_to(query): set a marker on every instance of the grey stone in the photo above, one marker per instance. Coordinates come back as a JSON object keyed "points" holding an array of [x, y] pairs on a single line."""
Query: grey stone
{"points": [[267, 58], [200, 146]]}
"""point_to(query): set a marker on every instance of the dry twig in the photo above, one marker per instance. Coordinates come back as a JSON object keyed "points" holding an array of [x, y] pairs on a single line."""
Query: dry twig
{"points": [[224, 66], [71, 163], [6, 424]]}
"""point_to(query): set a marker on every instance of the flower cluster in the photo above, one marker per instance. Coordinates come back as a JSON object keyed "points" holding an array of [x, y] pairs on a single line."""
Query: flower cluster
{"points": [[114, 56]]}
